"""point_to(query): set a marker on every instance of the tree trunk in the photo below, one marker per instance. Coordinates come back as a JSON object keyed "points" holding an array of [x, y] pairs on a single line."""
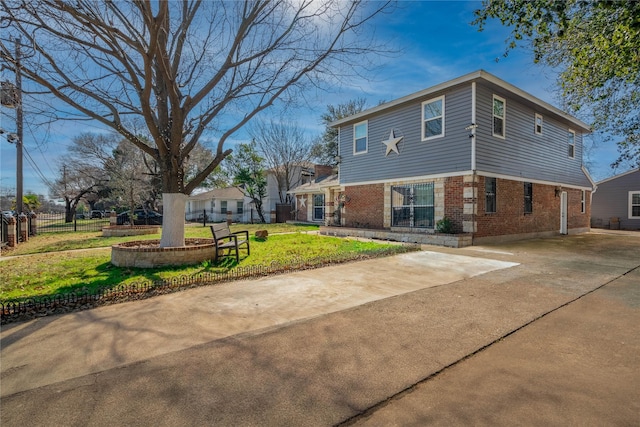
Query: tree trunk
{"points": [[173, 208]]}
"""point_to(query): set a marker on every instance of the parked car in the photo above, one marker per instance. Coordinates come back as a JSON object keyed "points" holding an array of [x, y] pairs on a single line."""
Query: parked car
{"points": [[140, 217], [80, 216], [97, 214], [8, 214]]}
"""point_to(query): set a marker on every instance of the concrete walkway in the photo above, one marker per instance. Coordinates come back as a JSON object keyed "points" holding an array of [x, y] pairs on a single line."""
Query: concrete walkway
{"points": [[538, 332]]}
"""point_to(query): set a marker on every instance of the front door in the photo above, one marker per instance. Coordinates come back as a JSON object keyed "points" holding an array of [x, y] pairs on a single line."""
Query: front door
{"points": [[563, 213]]}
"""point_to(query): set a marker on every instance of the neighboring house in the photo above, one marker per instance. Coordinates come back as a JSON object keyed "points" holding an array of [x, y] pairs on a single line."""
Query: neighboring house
{"points": [[496, 161], [311, 198], [216, 203], [616, 202], [299, 174]]}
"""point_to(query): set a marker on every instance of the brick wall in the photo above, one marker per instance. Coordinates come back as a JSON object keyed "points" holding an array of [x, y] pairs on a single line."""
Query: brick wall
{"points": [[365, 206], [510, 218], [454, 201]]}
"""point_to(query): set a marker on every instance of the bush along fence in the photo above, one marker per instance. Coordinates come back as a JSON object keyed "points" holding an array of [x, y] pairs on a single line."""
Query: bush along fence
{"points": [[17, 310]]}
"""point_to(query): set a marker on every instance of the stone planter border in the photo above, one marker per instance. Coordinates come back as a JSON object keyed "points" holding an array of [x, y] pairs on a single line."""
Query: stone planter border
{"points": [[129, 230], [141, 254]]}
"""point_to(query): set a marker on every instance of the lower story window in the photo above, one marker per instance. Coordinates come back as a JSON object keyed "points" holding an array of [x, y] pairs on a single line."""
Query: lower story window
{"points": [[634, 204], [528, 197], [490, 195], [412, 205], [318, 207], [239, 207]]}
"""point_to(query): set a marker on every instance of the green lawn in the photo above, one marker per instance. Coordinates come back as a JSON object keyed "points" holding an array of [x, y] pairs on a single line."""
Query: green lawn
{"points": [[51, 270]]}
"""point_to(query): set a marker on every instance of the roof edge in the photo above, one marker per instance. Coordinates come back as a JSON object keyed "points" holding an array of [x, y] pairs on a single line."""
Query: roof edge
{"points": [[476, 75], [620, 175]]}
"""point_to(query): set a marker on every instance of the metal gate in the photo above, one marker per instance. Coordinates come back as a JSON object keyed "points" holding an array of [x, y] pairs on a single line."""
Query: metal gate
{"points": [[284, 212]]}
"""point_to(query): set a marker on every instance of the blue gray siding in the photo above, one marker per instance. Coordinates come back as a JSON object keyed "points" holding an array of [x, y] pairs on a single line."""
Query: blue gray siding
{"points": [[523, 153], [611, 199], [450, 153]]}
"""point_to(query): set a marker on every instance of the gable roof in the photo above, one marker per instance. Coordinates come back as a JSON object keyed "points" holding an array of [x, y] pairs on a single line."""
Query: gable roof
{"points": [[317, 185], [467, 78], [611, 178], [228, 193]]}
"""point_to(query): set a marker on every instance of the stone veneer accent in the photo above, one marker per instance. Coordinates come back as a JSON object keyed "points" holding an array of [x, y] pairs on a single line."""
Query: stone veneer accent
{"points": [[448, 240], [140, 254]]}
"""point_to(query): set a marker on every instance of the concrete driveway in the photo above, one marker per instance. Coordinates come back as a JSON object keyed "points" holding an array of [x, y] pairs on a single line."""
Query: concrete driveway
{"points": [[541, 332]]}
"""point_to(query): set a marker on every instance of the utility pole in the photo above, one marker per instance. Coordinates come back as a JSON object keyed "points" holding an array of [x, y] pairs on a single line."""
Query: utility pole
{"points": [[19, 178]]}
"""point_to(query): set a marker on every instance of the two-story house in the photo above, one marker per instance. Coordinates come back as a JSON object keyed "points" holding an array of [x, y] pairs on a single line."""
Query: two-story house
{"points": [[497, 162]]}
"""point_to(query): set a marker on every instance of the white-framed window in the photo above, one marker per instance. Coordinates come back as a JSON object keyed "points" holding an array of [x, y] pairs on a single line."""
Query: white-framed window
{"points": [[583, 201], [538, 124], [572, 143], [239, 207], [318, 207], [360, 137], [433, 118], [223, 207], [634, 204], [499, 115]]}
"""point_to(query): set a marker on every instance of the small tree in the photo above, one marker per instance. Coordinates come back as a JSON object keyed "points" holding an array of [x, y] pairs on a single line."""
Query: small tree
{"points": [[248, 170]]}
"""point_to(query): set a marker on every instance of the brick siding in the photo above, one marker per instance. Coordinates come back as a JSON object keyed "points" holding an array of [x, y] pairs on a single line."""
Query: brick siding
{"points": [[365, 206], [454, 201], [510, 218]]}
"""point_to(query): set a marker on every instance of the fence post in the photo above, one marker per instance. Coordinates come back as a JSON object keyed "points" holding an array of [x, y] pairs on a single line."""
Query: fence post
{"points": [[11, 232], [24, 228], [113, 218], [229, 218], [204, 217], [33, 223]]}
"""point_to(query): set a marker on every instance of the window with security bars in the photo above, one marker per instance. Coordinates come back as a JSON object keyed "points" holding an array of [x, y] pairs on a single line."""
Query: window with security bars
{"points": [[412, 205], [490, 195], [528, 197]]}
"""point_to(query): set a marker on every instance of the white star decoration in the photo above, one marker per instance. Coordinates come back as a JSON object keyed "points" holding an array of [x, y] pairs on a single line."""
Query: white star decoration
{"points": [[392, 143], [303, 202]]}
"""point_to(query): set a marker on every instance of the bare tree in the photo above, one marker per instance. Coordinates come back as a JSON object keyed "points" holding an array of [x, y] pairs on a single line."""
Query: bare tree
{"points": [[286, 150], [75, 182], [186, 68]]}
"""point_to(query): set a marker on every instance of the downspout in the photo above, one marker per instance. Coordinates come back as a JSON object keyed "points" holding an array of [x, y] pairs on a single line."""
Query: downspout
{"points": [[473, 161]]}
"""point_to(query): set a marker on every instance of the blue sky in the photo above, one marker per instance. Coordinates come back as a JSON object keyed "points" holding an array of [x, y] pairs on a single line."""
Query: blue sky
{"points": [[435, 43]]}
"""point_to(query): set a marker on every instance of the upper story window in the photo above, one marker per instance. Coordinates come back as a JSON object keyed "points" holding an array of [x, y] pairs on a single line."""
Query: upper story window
{"points": [[499, 114], [433, 118], [572, 144], [634, 204], [360, 132], [538, 124]]}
